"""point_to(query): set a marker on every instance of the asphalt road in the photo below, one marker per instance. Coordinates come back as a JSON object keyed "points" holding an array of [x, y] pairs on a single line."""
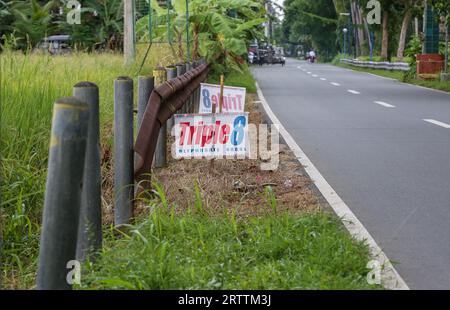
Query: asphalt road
{"points": [[368, 137]]}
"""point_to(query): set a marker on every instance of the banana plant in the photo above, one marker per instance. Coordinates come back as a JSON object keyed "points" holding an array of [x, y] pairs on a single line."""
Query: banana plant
{"points": [[220, 29], [6, 19], [32, 21]]}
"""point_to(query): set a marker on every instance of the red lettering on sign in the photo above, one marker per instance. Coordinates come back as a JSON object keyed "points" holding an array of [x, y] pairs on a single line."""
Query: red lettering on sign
{"points": [[204, 134], [224, 134]]}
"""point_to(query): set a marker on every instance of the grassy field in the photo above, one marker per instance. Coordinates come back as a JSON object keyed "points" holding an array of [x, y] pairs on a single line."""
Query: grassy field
{"points": [[29, 85], [277, 250]]}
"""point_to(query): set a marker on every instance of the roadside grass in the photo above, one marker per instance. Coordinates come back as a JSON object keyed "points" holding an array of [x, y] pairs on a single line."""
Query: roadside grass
{"points": [[29, 85], [313, 247], [385, 73], [379, 58], [434, 84], [193, 250], [237, 79], [269, 232]]}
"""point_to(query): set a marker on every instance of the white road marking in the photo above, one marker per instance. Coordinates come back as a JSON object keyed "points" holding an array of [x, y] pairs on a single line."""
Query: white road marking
{"points": [[384, 104], [314, 75], [438, 123], [395, 80], [335, 84], [308, 72], [323, 79], [390, 277], [353, 92]]}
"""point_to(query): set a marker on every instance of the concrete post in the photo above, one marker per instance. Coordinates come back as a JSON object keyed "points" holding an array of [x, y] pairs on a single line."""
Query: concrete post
{"points": [[123, 151], [160, 75], [129, 49], [171, 74], [90, 226], [146, 84], [63, 193]]}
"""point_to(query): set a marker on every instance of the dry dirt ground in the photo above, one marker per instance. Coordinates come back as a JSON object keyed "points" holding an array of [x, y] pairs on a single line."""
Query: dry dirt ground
{"points": [[234, 185]]}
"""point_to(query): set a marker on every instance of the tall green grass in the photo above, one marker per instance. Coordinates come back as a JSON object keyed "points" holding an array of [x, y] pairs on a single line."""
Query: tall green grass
{"points": [[28, 87], [195, 251]]}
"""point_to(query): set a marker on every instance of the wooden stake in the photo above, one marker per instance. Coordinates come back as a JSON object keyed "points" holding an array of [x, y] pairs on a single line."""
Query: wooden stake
{"points": [[221, 93]]}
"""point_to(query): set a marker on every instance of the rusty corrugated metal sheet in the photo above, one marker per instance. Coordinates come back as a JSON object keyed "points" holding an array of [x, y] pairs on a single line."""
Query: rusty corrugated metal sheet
{"points": [[164, 101]]}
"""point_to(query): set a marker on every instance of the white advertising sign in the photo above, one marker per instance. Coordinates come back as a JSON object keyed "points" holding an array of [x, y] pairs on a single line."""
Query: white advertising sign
{"points": [[233, 99], [221, 135]]}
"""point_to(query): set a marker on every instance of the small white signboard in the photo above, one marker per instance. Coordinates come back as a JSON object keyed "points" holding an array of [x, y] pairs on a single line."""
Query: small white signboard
{"points": [[233, 99], [223, 135]]}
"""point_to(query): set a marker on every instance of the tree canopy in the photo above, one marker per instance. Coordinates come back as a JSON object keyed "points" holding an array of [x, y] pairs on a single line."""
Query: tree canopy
{"points": [[319, 25]]}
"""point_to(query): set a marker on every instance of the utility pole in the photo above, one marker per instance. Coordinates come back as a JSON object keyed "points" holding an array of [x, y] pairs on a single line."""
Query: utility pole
{"points": [[425, 22], [446, 44], [129, 48]]}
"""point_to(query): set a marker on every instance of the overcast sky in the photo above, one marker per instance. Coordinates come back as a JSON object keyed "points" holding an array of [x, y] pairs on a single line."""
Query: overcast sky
{"points": [[280, 2]]}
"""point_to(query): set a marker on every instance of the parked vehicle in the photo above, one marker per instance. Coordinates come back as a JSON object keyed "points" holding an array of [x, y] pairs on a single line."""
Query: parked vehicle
{"points": [[271, 55], [56, 45]]}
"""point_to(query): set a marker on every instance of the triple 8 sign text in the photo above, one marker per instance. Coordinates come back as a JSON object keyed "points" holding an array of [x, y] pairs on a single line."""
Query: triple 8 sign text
{"points": [[233, 99], [211, 136]]}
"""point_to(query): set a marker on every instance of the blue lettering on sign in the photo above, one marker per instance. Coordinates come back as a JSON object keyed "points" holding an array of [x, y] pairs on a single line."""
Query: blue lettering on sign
{"points": [[238, 132], [206, 100]]}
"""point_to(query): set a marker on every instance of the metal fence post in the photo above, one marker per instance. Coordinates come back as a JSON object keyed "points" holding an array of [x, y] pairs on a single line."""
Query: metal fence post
{"points": [[171, 74], [123, 151], [146, 84], [90, 225], [160, 75], [63, 193]]}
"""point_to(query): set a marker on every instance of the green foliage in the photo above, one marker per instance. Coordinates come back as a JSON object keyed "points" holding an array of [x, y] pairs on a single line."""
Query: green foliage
{"points": [[312, 24], [26, 22], [442, 7], [32, 22], [318, 24], [29, 84], [101, 26], [194, 251], [235, 78], [215, 34], [6, 18], [414, 48]]}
